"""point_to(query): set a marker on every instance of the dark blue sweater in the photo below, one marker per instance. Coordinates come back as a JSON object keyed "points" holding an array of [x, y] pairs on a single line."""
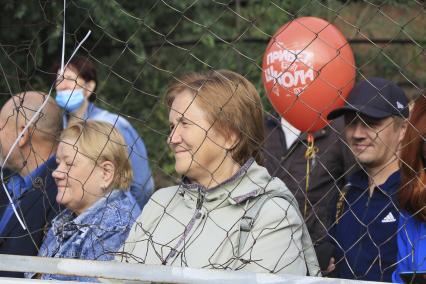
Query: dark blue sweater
{"points": [[366, 231]]}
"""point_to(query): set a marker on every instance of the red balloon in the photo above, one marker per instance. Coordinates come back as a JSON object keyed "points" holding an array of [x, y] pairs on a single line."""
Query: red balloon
{"points": [[308, 70]]}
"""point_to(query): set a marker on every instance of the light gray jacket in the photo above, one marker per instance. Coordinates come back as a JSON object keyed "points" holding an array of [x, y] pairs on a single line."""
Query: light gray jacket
{"points": [[187, 225]]}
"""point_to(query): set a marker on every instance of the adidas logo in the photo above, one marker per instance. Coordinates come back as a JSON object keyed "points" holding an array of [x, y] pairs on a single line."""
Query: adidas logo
{"points": [[399, 105], [389, 218]]}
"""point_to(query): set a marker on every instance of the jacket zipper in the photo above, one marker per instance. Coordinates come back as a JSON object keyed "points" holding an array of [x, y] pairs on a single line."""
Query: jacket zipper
{"points": [[189, 227], [200, 199], [360, 230]]}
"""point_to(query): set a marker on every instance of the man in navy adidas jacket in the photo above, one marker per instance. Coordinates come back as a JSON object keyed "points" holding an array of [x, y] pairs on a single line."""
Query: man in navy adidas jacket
{"points": [[366, 219]]}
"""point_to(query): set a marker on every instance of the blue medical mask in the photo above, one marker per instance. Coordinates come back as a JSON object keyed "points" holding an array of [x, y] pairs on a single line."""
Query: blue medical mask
{"points": [[70, 100]]}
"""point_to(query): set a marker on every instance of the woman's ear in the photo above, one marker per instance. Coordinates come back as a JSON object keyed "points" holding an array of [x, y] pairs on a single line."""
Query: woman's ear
{"points": [[108, 172], [91, 86], [232, 141]]}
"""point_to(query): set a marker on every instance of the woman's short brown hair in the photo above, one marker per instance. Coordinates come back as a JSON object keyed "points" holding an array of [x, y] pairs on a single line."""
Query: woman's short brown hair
{"points": [[232, 105], [101, 141], [84, 68], [412, 196]]}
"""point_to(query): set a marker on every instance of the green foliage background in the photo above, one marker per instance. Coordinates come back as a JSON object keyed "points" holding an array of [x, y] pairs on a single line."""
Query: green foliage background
{"points": [[140, 46]]}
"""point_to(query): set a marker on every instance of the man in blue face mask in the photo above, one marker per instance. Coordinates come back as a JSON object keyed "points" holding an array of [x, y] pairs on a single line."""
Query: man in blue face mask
{"points": [[75, 93]]}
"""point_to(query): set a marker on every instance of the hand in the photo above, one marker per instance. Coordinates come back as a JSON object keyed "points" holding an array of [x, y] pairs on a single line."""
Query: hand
{"points": [[331, 265]]}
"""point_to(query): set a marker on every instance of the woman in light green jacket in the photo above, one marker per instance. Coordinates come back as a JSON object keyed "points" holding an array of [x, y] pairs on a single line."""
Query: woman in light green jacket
{"points": [[228, 212]]}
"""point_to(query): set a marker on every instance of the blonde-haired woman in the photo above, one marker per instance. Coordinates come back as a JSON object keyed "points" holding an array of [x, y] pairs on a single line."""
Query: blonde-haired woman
{"points": [[92, 177], [228, 212]]}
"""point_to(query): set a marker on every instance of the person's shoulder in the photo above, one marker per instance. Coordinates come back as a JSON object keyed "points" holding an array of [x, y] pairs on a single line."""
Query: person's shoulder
{"points": [[126, 202], [161, 200], [123, 123], [115, 119], [277, 187], [278, 212], [411, 222], [164, 195], [278, 203], [117, 212]]}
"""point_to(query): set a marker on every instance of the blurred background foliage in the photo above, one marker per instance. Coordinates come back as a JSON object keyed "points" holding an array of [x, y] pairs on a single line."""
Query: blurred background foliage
{"points": [[140, 46]]}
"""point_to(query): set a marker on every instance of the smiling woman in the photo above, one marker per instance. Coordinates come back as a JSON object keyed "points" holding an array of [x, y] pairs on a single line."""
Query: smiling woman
{"points": [[216, 132], [93, 175]]}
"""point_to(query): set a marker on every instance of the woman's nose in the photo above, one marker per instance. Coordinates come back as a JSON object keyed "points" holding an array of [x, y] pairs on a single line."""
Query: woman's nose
{"points": [[174, 137], [58, 174]]}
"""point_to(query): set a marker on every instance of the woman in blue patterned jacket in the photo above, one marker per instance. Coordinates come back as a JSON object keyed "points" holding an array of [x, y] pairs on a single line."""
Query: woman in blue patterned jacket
{"points": [[92, 176]]}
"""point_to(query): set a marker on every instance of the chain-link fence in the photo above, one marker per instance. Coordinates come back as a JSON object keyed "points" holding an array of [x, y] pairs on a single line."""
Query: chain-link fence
{"points": [[125, 138]]}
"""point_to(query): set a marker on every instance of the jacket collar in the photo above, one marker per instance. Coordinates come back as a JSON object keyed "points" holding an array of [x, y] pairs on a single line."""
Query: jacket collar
{"points": [[359, 180], [249, 181], [34, 179], [38, 184], [18, 185], [90, 111], [67, 223]]}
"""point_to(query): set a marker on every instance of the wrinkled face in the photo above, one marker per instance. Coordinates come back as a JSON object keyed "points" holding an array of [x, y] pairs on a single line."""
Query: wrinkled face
{"points": [[199, 150], [78, 179], [374, 142], [70, 81]]}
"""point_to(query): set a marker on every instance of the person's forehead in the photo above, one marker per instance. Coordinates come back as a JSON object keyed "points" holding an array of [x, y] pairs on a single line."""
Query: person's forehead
{"points": [[185, 105], [69, 72], [67, 146]]}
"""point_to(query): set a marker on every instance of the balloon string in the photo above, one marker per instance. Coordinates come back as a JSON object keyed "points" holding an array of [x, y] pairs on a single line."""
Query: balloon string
{"points": [[310, 155], [340, 204]]}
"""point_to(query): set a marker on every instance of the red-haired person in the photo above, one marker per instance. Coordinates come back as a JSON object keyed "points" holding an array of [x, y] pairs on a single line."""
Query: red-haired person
{"points": [[412, 196]]}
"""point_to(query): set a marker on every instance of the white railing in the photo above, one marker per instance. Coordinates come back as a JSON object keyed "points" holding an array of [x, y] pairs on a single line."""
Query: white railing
{"points": [[125, 272]]}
